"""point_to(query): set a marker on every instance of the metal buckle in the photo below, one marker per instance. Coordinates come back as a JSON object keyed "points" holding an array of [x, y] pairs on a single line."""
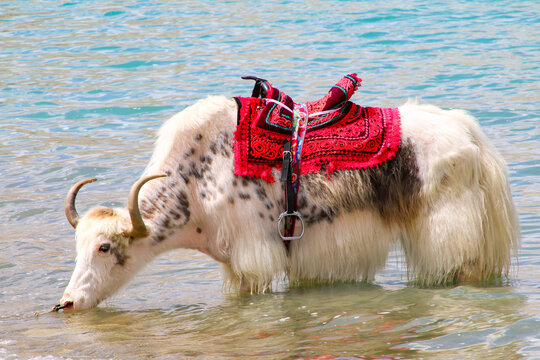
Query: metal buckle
{"points": [[284, 215]]}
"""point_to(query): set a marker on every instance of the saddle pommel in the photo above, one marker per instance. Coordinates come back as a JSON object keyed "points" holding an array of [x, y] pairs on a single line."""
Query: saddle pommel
{"points": [[261, 87]]}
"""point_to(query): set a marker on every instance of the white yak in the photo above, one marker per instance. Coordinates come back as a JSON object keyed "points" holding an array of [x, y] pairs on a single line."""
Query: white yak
{"points": [[444, 198]]}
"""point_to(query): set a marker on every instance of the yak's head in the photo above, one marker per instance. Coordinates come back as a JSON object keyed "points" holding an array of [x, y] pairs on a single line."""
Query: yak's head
{"points": [[108, 241]]}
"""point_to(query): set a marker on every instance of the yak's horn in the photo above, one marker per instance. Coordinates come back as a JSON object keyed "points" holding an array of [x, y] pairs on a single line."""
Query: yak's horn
{"points": [[69, 204], [137, 223]]}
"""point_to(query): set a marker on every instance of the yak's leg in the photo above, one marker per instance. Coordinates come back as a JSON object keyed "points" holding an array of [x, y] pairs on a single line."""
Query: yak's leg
{"points": [[352, 247], [255, 262], [444, 245], [468, 225]]}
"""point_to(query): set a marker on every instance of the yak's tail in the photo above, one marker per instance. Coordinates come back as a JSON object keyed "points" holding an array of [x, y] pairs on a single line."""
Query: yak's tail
{"points": [[500, 224], [469, 227]]}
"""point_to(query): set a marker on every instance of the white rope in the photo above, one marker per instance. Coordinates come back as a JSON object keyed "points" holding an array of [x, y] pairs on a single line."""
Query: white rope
{"points": [[280, 104], [310, 115], [324, 112]]}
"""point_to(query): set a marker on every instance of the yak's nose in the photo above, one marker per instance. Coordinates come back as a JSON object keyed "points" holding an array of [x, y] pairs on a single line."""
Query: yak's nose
{"points": [[66, 302], [65, 305]]}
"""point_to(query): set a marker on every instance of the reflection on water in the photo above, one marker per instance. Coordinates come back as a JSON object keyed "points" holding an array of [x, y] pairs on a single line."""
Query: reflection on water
{"points": [[85, 85]]}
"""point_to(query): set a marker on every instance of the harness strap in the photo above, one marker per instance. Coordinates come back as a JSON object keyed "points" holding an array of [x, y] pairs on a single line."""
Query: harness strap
{"points": [[287, 176], [290, 173], [290, 197], [292, 155]]}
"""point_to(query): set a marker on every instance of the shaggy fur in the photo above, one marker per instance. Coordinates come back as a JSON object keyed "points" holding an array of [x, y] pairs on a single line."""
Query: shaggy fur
{"points": [[444, 198]]}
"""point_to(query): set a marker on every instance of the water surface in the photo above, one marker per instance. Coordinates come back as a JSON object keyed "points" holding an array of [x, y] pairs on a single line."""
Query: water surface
{"points": [[85, 85]]}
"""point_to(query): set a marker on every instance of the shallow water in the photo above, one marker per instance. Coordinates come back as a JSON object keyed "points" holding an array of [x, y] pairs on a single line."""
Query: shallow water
{"points": [[85, 85]]}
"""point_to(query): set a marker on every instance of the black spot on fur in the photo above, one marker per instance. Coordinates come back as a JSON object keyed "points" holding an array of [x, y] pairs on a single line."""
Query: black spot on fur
{"points": [[194, 171], [189, 153], [213, 147], [172, 183], [392, 189], [199, 230], [318, 216], [198, 137], [185, 178], [261, 193], [119, 249], [205, 159], [160, 238], [204, 169], [166, 222], [183, 206], [243, 195], [120, 255], [223, 145], [175, 215], [396, 185], [147, 209], [302, 202], [225, 136]]}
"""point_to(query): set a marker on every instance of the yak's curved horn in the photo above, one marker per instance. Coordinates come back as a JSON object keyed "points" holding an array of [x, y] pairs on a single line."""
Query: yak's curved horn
{"points": [[138, 228], [69, 203]]}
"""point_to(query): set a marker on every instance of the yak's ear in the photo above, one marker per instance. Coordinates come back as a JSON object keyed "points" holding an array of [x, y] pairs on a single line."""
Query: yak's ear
{"points": [[138, 228], [69, 203]]}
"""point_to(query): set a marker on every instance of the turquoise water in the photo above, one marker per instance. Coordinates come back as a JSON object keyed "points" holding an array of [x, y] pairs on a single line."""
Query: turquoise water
{"points": [[85, 85]]}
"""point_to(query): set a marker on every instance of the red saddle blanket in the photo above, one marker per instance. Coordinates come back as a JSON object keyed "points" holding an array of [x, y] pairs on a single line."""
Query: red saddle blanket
{"points": [[351, 137]]}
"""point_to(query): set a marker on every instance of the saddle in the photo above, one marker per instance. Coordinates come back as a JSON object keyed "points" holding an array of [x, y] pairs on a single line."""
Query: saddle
{"points": [[339, 133], [331, 133]]}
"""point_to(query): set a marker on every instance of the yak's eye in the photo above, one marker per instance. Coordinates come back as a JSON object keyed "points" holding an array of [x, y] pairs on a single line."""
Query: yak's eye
{"points": [[104, 248]]}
